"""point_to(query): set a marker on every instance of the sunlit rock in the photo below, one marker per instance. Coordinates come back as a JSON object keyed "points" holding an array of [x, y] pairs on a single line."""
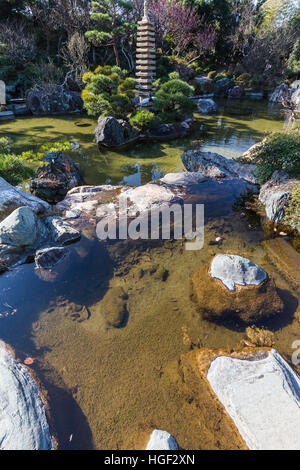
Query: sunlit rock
{"points": [[215, 165], [183, 179], [261, 393], [234, 287], [11, 198], [22, 413], [161, 440], [275, 195], [235, 270]]}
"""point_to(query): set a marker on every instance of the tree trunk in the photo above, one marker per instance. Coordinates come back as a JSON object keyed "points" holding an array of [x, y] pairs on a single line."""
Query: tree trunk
{"points": [[116, 52]]}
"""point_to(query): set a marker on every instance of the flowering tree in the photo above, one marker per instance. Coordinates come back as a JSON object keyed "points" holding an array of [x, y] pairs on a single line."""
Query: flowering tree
{"points": [[182, 27]]}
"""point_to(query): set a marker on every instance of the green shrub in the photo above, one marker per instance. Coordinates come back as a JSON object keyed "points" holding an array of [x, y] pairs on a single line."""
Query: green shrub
{"points": [[108, 92], [294, 60], [12, 169], [221, 75], [212, 74], [143, 120], [292, 212], [279, 151], [243, 79], [172, 101]]}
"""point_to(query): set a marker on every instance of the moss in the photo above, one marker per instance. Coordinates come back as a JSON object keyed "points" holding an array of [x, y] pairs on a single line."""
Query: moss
{"points": [[161, 274], [260, 337]]}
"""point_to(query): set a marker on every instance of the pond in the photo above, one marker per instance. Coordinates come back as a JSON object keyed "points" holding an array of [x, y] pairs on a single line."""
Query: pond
{"points": [[108, 387], [231, 132]]}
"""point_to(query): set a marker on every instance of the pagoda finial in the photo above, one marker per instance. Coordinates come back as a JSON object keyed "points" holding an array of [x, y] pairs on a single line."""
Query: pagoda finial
{"points": [[145, 10]]}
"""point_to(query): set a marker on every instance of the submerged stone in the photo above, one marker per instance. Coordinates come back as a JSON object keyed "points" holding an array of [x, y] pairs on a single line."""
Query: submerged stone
{"points": [[48, 257], [22, 413], [115, 308], [161, 440], [234, 293], [261, 394]]}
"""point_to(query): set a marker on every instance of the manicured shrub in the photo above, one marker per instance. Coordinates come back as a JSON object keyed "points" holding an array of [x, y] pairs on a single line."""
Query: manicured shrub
{"points": [[172, 101], [292, 213], [279, 151], [108, 92], [143, 120]]}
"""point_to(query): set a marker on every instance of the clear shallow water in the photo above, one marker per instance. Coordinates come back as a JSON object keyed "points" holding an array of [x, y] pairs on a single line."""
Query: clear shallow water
{"points": [[109, 386], [227, 133]]}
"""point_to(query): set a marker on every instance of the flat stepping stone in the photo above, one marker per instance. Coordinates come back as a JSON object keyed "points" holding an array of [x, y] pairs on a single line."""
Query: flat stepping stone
{"points": [[235, 270], [22, 414], [262, 396], [161, 440]]}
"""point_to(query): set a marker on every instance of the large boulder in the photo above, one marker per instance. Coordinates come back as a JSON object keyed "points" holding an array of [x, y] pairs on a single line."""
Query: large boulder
{"points": [[22, 413], [22, 233], [223, 86], [236, 93], [235, 287], [261, 394], [207, 106], [112, 132], [53, 180], [280, 92], [161, 440], [11, 198], [53, 99], [216, 166], [205, 84], [275, 195], [295, 94]]}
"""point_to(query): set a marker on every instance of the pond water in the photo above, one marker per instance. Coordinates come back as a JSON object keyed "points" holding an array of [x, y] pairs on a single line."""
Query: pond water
{"points": [[108, 387], [231, 132]]}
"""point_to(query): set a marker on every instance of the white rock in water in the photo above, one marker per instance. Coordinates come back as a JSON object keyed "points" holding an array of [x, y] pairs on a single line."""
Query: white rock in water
{"points": [[262, 396], [184, 178], [161, 440], [149, 195], [23, 423], [235, 270], [11, 198]]}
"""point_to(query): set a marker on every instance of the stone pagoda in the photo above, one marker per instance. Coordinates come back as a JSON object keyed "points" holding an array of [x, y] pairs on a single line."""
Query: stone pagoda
{"points": [[145, 58]]}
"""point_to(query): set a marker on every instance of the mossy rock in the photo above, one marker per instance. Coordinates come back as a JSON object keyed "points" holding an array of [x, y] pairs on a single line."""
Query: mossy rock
{"points": [[114, 308], [247, 303]]}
